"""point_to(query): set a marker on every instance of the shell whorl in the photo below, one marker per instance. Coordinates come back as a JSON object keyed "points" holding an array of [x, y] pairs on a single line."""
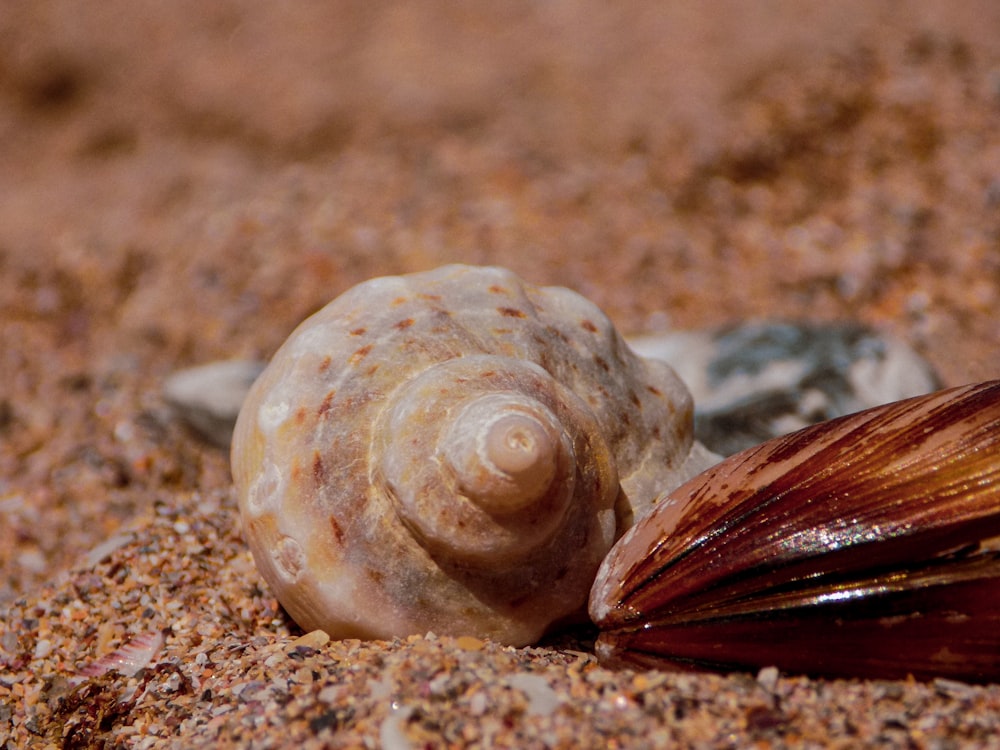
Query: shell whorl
{"points": [[511, 446], [504, 461], [453, 451]]}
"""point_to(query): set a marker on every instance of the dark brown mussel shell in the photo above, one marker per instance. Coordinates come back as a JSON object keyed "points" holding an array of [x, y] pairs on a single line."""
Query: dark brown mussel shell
{"points": [[867, 546]]}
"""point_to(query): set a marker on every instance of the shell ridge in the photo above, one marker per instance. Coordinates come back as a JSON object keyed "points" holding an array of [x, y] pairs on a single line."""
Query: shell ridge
{"points": [[734, 533], [960, 599], [728, 520], [902, 568]]}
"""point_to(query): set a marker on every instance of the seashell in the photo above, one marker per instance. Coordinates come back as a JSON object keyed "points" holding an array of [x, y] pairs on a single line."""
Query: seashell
{"points": [[453, 451], [863, 546]]}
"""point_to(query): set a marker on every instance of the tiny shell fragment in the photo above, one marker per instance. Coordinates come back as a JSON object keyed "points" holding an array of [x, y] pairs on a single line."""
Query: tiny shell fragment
{"points": [[134, 655], [313, 639]]}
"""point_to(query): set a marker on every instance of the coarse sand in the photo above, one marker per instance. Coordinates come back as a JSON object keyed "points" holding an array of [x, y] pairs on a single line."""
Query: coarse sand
{"points": [[184, 182]]}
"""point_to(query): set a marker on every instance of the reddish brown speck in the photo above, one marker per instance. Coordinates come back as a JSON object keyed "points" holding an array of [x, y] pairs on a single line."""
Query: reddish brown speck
{"points": [[372, 370], [361, 353], [497, 289], [327, 403], [655, 391], [319, 471], [635, 399], [403, 324], [431, 297], [300, 415], [338, 533], [602, 363], [399, 301], [588, 326], [511, 312], [325, 364], [554, 332], [359, 331]]}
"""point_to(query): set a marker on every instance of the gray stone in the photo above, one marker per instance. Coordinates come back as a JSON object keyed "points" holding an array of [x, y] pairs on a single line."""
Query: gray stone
{"points": [[755, 381], [207, 398]]}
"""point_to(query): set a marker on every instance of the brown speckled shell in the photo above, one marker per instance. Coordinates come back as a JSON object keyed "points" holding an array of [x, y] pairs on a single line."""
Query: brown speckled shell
{"points": [[348, 418]]}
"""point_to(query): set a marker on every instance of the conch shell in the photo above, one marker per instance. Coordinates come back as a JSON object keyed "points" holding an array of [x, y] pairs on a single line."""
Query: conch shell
{"points": [[452, 451], [862, 546]]}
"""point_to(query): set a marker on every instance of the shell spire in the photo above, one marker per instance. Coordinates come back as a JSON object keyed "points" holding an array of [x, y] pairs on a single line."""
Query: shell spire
{"points": [[504, 456]]}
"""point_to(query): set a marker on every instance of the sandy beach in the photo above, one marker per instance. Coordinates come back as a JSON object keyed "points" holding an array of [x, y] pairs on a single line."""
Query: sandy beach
{"points": [[184, 183]]}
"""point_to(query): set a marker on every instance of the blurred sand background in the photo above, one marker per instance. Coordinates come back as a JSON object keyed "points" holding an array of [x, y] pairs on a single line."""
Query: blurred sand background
{"points": [[183, 182]]}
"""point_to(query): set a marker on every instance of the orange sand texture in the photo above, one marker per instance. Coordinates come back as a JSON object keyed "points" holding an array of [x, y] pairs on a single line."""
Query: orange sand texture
{"points": [[183, 182]]}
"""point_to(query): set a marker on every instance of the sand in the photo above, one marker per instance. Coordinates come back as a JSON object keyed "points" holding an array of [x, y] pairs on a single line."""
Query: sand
{"points": [[183, 182]]}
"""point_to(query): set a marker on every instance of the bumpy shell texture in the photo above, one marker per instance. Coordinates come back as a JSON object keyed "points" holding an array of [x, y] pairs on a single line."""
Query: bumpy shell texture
{"points": [[863, 546], [452, 451]]}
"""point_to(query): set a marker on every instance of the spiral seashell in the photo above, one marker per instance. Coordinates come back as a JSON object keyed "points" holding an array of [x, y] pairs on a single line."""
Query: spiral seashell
{"points": [[864, 546], [452, 451]]}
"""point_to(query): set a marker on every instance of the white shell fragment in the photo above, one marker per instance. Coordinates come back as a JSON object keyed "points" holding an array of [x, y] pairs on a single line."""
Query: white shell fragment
{"points": [[453, 451], [103, 550], [134, 655]]}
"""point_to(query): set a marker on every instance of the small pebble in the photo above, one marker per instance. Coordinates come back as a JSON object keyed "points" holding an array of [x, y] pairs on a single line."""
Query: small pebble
{"points": [[392, 731], [312, 639], [542, 699], [469, 643], [208, 398], [767, 678]]}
